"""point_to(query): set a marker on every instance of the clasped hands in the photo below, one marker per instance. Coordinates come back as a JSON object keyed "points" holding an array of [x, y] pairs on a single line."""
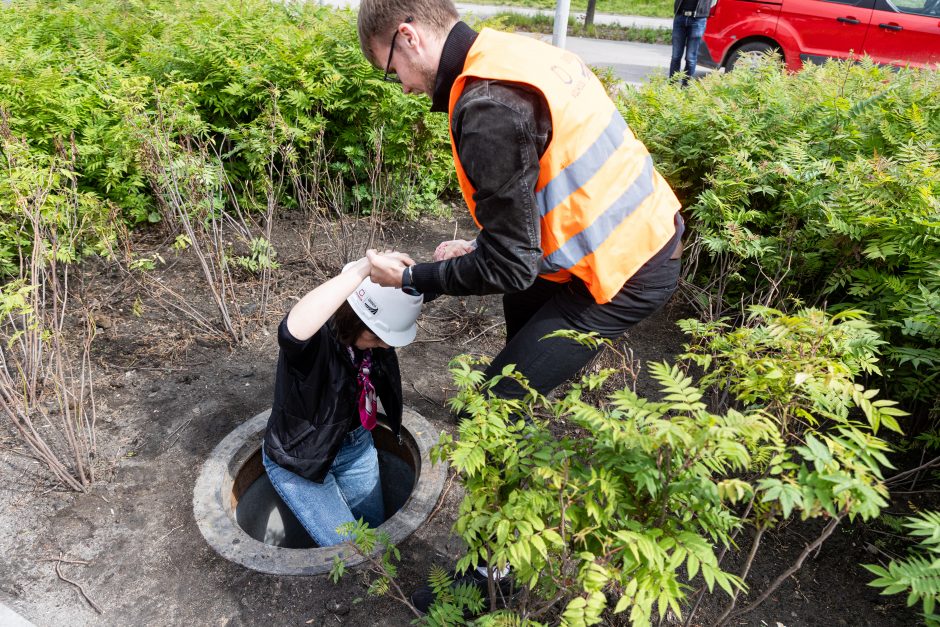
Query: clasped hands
{"points": [[388, 267]]}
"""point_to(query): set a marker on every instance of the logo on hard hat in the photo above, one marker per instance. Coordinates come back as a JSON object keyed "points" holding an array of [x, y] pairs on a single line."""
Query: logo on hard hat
{"points": [[371, 306]]}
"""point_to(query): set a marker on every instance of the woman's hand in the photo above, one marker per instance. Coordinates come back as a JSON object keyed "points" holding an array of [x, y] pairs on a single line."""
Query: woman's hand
{"points": [[362, 268]]}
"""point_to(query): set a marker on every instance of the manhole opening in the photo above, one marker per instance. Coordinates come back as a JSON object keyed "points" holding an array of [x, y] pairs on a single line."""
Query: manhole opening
{"points": [[262, 514]]}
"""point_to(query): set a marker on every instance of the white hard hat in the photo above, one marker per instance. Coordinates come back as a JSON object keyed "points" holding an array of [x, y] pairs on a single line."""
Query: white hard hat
{"points": [[388, 312]]}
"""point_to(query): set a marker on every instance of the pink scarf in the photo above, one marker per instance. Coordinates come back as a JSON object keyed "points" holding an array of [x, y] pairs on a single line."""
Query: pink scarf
{"points": [[367, 402]]}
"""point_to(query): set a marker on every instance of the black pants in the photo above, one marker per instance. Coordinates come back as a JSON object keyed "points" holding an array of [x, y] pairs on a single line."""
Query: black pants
{"points": [[547, 306]]}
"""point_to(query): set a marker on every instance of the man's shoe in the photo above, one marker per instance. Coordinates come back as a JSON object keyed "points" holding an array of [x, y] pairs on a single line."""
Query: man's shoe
{"points": [[423, 598]]}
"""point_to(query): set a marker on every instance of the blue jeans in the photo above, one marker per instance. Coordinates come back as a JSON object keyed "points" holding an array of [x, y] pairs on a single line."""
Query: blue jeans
{"points": [[686, 36], [350, 490]]}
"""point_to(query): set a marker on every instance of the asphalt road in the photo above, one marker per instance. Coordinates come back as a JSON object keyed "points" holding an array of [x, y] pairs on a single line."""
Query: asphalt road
{"points": [[632, 62], [488, 10]]}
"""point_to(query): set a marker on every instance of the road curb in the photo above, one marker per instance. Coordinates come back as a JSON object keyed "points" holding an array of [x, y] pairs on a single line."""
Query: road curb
{"points": [[9, 618]]}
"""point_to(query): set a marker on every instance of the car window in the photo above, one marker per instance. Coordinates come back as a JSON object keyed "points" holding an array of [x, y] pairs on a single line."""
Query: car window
{"points": [[930, 8]]}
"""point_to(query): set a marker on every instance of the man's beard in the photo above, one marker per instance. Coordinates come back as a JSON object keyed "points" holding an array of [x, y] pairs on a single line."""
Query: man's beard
{"points": [[428, 78]]}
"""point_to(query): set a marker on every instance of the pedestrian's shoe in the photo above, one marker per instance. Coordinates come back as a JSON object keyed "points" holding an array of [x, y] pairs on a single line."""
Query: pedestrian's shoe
{"points": [[423, 598]]}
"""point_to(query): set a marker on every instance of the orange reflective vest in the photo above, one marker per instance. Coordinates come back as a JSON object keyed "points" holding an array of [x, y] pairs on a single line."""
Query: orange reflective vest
{"points": [[605, 210]]}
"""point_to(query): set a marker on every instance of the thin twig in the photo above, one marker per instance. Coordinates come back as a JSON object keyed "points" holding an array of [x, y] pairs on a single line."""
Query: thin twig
{"points": [[923, 454], [440, 502], [167, 535], [65, 561], [130, 367], [744, 573], [907, 473], [432, 340], [887, 533], [549, 605], [827, 531], [896, 492], [76, 584], [427, 398], [491, 578], [484, 331], [176, 431]]}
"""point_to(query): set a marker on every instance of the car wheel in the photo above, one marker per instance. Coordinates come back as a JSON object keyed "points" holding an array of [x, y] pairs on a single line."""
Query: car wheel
{"points": [[749, 51]]}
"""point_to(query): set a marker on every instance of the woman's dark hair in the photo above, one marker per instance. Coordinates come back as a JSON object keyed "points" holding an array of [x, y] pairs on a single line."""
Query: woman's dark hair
{"points": [[348, 325]]}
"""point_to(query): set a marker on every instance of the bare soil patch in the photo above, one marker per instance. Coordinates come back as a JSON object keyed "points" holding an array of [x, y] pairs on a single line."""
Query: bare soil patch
{"points": [[168, 393]]}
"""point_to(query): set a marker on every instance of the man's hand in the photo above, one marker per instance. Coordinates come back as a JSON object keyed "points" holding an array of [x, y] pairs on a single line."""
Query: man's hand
{"points": [[453, 248], [388, 267]]}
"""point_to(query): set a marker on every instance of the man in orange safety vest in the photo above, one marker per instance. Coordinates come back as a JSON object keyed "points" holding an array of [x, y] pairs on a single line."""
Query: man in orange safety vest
{"points": [[577, 228]]}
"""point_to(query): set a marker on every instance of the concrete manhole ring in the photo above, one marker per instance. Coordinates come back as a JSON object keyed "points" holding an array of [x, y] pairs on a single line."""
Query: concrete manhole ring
{"points": [[221, 483]]}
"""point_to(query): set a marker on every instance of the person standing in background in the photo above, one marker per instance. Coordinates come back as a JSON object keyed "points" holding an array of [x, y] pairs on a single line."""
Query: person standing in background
{"points": [[688, 26]]}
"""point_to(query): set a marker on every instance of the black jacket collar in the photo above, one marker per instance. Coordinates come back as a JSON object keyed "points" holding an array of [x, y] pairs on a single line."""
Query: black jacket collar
{"points": [[453, 56]]}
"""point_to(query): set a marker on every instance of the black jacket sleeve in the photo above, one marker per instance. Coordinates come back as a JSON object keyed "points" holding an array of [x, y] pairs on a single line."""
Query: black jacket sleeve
{"points": [[302, 356], [501, 130]]}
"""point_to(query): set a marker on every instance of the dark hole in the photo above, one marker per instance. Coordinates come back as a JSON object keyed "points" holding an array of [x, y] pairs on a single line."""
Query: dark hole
{"points": [[262, 514]]}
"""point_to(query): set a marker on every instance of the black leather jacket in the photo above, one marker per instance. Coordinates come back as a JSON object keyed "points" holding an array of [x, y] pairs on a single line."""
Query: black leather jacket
{"points": [[702, 7], [316, 400], [500, 131]]}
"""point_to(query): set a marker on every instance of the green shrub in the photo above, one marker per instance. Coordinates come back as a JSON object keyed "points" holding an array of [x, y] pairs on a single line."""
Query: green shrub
{"points": [[46, 379], [270, 85], [919, 573], [634, 497], [801, 369], [41, 204], [645, 492], [308, 59], [451, 602], [821, 185]]}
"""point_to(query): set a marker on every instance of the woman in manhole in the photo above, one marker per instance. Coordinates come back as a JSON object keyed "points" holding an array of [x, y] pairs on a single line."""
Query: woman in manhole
{"points": [[336, 358]]}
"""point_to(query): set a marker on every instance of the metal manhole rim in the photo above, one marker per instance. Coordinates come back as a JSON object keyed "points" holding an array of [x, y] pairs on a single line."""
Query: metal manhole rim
{"points": [[218, 526]]}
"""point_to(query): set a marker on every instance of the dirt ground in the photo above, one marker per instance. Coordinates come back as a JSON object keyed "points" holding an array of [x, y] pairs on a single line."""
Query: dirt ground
{"points": [[167, 393]]}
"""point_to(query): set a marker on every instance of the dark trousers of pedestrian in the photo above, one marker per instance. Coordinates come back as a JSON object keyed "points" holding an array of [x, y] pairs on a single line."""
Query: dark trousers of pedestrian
{"points": [[547, 306], [687, 34]]}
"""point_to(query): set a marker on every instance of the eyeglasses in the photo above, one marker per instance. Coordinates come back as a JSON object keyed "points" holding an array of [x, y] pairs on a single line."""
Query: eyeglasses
{"points": [[394, 77]]}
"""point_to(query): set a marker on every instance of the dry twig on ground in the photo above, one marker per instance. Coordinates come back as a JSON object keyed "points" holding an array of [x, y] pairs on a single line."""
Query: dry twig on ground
{"points": [[58, 572]]}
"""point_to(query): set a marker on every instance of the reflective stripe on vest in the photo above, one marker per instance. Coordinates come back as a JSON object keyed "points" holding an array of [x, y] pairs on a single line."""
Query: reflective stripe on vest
{"points": [[591, 238], [578, 173], [605, 210]]}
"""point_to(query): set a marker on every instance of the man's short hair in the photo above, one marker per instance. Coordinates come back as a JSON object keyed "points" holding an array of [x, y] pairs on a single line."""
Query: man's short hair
{"points": [[379, 18]]}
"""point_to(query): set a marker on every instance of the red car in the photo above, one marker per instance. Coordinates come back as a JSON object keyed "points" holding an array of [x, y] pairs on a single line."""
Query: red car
{"points": [[896, 32]]}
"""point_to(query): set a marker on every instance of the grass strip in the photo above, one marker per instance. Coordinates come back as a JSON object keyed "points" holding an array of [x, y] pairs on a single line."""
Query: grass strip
{"points": [[545, 23], [646, 8]]}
